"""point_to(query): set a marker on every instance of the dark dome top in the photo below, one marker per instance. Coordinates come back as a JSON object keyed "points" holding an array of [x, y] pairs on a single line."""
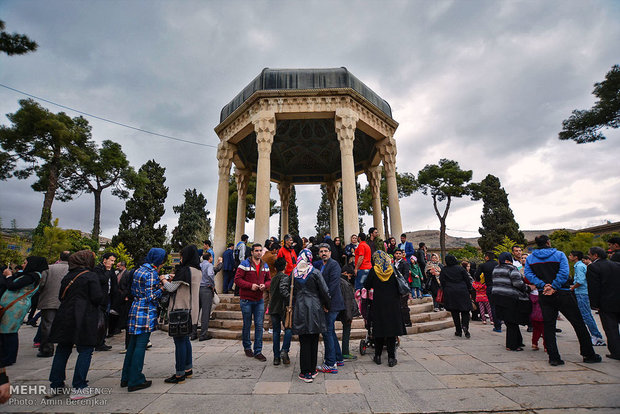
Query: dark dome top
{"points": [[289, 79]]}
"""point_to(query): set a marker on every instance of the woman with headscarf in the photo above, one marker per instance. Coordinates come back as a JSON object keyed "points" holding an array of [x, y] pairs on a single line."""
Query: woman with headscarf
{"points": [[77, 323], [310, 302], [20, 288], [511, 300], [386, 316], [186, 287], [432, 284], [456, 285], [146, 290]]}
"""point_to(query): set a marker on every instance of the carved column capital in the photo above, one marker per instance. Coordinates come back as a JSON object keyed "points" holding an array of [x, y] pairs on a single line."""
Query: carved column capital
{"points": [[242, 177], [333, 189], [387, 151], [346, 122], [374, 179], [265, 127], [284, 188], [225, 152]]}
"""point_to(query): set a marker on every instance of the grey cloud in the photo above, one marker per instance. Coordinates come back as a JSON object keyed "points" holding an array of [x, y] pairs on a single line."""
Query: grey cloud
{"points": [[498, 79]]}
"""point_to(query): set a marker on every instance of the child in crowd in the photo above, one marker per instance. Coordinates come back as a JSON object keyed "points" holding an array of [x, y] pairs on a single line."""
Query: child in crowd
{"points": [[537, 321], [482, 300], [415, 279]]}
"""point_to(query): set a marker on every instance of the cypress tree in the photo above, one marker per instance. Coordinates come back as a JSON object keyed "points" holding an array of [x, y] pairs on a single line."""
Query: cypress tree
{"points": [[497, 217], [194, 223], [138, 229]]}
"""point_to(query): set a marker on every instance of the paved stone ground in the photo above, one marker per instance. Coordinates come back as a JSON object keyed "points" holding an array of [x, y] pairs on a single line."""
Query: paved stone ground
{"points": [[436, 372]]}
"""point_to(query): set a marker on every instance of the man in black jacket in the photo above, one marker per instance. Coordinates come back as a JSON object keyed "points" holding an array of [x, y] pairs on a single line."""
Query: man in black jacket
{"points": [[604, 292], [486, 268]]}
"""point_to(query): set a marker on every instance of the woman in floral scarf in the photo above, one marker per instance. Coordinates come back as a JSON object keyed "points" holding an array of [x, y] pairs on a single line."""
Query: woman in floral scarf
{"points": [[386, 316]]}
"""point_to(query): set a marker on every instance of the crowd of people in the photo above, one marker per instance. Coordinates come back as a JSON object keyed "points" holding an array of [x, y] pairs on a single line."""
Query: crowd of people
{"points": [[303, 286]]}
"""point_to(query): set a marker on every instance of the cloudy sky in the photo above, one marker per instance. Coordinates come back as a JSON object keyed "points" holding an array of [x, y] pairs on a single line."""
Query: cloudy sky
{"points": [[485, 83]]}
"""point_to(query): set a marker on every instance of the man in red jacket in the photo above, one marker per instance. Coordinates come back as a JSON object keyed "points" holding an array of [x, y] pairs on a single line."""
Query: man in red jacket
{"points": [[253, 279], [288, 253]]}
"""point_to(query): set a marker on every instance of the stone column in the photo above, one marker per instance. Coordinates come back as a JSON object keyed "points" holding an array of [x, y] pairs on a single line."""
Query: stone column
{"points": [[225, 153], [333, 189], [387, 150], [374, 180], [285, 197], [265, 128], [346, 122], [242, 177]]}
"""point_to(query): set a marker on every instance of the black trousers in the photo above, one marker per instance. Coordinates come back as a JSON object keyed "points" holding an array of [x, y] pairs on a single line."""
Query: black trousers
{"points": [[514, 339], [461, 321], [308, 349], [565, 302], [611, 323], [390, 343], [497, 324]]}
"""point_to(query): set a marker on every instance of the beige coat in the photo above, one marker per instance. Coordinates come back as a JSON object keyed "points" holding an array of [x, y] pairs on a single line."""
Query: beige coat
{"points": [[182, 299]]}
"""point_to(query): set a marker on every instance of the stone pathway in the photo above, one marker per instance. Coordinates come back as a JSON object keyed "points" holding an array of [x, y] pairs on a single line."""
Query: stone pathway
{"points": [[436, 372]]}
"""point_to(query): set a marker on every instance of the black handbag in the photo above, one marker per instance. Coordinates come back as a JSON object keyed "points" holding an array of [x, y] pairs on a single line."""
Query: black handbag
{"points": [[403, 286], [180, 320]]}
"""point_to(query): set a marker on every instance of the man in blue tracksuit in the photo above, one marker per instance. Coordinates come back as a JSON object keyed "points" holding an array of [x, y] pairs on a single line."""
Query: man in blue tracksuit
{"points": [[547, 268]]}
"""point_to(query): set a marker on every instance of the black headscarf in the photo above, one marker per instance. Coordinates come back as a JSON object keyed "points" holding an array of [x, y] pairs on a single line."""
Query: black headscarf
{"points": [[189, 258], [82, 259], [451, 260], [36, 264]]}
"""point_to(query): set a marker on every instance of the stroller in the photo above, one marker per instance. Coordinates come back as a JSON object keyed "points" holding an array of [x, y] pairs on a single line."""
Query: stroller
{"points": [[366, 310]]}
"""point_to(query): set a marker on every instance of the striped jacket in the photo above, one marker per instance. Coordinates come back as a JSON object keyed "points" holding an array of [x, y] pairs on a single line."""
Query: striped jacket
{"points": [[247, 275]]}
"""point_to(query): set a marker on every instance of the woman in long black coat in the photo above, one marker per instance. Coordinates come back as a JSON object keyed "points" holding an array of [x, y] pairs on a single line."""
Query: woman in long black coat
{"points": [[456, 285], [78, 322], [386, 316]]}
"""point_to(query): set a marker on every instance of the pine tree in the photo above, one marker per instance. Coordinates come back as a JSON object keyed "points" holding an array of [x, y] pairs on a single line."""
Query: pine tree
{"points": [[323, 214], [194, 222], [498, 221], [138, 229]]}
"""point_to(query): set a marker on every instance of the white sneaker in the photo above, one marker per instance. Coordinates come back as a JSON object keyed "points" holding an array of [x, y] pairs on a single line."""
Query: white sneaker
{"points": [[124, 351], [83, 393], [598, 342], [270, 331]]}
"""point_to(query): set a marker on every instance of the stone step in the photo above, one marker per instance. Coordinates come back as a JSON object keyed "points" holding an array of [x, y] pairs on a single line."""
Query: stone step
{"points": [[227, 299], [237, 324], [236, 314], [357, 333]]}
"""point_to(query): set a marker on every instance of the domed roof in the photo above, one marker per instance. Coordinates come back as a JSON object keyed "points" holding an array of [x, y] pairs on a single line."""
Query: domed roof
{"points": [[304, 79]]}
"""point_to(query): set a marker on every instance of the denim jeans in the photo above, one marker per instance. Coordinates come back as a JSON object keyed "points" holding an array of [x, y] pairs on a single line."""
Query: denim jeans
{"points": [[255, 309], [59, 365], [416, 293], [360, 278], [182, 354], [333, 353], [134, 359], [276, 322], [583, 301]]}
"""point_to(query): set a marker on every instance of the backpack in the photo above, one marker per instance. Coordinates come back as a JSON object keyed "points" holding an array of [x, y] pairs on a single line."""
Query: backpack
{"points": [[237, 253]]}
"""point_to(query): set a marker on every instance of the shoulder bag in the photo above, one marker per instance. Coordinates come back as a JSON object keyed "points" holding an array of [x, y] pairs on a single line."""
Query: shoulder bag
{"points": [[288, 313], [403, 286], [180, 320]]}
